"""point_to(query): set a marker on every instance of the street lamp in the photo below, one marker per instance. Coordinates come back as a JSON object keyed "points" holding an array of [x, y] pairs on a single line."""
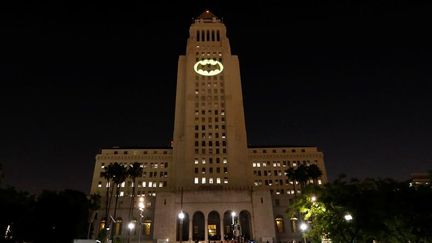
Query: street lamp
{"points": [[181, 216], [348, 217], [141, 206], [313, 198], [131, 225], [303, 228], [233, 214]]}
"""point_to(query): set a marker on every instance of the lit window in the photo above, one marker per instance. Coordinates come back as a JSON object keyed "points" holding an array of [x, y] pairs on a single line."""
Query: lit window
{"points": [[279, 224], [293, 223], [319, 182], [150, 184], [100, 184], [218, 180], [211, 180], [225, 161], [160, 184], [203, 180], [121, 194], [258, 164], [123, 184], [226, 180], [254, 164], [144, 184], [196, 180]]}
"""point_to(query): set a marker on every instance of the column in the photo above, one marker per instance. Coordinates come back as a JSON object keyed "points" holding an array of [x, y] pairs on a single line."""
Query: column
{"points": [[190, 228], [206, 227], [221, 226]]}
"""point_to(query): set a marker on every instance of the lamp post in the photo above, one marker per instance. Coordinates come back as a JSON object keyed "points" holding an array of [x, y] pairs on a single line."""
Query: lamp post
{"points": [[303, 228], [348, 217], [233, 214], [131, 226], [141, 206], [181, 216]]}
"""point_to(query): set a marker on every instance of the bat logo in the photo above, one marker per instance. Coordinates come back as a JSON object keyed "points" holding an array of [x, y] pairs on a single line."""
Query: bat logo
{"points": [[208, 67]]}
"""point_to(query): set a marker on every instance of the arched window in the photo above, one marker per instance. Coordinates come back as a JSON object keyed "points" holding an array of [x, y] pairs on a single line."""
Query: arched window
{"points": [[198, 226], [147, 227], [293, 224], [245, 224], [280, 228], [118, 226], [213, 226]]}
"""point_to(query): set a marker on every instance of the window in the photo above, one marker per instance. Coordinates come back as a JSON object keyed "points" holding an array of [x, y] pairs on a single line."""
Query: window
{"points": [[196, 180], [118, 227], [203, 180], [147, 227], [279, 224], [293, 223]]}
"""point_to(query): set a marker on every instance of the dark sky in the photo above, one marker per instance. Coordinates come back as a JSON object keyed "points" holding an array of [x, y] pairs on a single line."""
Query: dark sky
{"points": [[350, 77]]}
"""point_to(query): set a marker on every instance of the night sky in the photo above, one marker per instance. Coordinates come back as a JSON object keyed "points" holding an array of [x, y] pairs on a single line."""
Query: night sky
{"points": [[350, 77]]}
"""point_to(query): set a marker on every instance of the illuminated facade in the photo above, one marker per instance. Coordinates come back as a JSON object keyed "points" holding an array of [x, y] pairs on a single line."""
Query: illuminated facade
{"points": [[209, 172]]}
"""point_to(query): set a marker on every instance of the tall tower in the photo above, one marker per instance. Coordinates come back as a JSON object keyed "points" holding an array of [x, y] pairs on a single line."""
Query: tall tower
{"points": [[220, 186], [210, 144]]}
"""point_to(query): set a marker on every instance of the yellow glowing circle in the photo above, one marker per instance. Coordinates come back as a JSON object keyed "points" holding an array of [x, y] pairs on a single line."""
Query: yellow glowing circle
{"points": [[208, 67]]}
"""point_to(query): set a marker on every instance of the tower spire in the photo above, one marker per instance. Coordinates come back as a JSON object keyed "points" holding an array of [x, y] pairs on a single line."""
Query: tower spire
{"points": [[208, 16]]}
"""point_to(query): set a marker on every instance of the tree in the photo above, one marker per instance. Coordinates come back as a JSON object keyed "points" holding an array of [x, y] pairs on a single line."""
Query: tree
{"points": [[134, 171], [60, 217], [382, 209], [94, 205], [291, 174], [119, 175], [314, 172], [302, 174], [108, 175]]}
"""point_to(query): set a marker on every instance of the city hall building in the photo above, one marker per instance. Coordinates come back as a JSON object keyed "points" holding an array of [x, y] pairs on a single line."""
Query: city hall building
{"points": [[225, 188]]}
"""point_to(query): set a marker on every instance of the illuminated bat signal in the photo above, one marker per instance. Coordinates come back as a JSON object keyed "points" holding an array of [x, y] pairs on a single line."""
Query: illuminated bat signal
{"points": [[208, 67]]}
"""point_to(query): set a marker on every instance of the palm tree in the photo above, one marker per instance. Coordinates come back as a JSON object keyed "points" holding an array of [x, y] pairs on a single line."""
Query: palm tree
{"points": [[108, 175], [291, 174], [119, 174], [314, 172], [134, 171], [301, 175]]}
